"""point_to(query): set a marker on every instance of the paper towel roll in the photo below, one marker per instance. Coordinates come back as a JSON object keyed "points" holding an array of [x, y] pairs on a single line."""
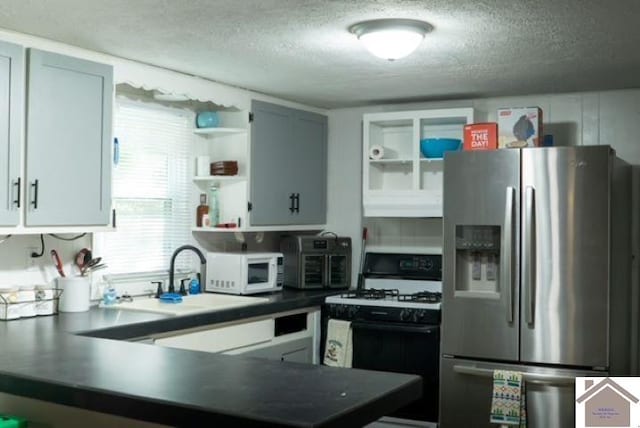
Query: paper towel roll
{"points": [[202, 166], [376, 152]]}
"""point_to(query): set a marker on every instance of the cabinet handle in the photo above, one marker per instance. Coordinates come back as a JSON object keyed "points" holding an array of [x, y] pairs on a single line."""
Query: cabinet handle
{"points": [[292, 199], [297, 202], [17, 200], [34, 185]]}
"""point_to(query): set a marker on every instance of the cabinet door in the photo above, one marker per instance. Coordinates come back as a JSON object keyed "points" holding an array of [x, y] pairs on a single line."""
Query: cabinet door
{"points": [[11, 114], [297, 351], [288, 166], [68, 141], [309, 149], [223, 338], [271, 163]]}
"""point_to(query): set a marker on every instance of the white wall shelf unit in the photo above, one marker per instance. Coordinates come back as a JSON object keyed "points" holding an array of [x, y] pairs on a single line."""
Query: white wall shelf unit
{"points": [[229, 142], [403, 183], [219, 132], [219, 179]]}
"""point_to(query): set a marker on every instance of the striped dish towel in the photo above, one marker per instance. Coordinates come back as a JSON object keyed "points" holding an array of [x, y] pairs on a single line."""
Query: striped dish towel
{"points": [[508, 406]]}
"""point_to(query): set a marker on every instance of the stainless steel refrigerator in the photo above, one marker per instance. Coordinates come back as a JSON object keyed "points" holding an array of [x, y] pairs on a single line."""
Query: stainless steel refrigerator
{"points": [[536, 277]]}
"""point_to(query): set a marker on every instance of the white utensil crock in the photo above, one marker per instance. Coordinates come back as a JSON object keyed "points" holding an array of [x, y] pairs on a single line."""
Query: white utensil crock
{"points": [[76, 294]]}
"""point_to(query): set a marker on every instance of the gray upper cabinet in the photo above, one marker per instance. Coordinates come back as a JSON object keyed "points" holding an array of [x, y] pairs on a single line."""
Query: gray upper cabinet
{"points": [[11, 120], [288, 166], [68, 142]]}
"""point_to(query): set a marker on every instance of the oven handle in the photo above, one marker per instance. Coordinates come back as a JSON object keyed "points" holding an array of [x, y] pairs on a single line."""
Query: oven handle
{"points": [[396, 327]]}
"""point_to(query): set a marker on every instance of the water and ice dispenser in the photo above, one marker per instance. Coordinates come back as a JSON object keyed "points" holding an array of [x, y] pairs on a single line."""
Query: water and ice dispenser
{"points": [[478, 261]]}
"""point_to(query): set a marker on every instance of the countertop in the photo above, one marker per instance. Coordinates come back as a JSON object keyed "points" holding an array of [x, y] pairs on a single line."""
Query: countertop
{"points": [[73, 359]]}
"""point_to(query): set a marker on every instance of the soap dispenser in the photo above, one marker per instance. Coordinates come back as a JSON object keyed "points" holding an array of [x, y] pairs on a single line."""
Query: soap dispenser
{"points": [[194, 286]]}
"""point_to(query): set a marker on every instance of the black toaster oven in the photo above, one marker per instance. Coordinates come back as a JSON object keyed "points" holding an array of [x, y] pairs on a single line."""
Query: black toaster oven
{"points": [[316, 262]]}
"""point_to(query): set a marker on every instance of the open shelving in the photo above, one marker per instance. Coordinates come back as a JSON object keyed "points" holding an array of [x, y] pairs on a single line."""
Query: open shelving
{"points": [[403, 183], [219, 132]]}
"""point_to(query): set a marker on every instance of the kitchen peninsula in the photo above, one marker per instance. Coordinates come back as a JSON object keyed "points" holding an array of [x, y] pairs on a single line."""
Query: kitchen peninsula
{"points": [[66, 359]]}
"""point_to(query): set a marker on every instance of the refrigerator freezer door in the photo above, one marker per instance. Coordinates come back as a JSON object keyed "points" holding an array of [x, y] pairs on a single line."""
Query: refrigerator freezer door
{"points": [[565, 255], [466, 390], [480, 270]]}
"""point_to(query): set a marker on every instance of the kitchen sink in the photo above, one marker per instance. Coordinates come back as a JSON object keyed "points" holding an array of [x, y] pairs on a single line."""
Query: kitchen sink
{"points": [[193, 304]]}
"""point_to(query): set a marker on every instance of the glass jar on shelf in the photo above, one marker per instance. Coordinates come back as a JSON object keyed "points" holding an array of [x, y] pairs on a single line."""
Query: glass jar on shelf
{"points": [[214, 205], [202, 210]]}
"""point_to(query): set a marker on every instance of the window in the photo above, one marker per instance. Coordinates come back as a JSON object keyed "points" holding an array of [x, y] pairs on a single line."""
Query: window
{"points": [[150, 188]]}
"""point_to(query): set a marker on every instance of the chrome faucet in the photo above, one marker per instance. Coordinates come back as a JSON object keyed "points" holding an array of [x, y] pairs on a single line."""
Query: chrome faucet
{"points": [[203, 261]]}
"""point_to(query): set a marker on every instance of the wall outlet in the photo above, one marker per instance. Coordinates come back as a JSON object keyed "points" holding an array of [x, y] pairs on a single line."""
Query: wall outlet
{"points": [[31, 263]]}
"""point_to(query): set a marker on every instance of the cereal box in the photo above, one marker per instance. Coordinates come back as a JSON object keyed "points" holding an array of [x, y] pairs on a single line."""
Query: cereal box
{"points": [[481, 136], [520, 127]]}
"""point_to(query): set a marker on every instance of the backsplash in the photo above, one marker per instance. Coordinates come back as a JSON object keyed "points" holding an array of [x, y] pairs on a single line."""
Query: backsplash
{"points": [[421, 235], [16, 268], [232, 242]]}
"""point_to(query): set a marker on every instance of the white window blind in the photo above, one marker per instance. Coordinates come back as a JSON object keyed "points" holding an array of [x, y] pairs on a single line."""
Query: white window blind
{"points": [[150, 188]]}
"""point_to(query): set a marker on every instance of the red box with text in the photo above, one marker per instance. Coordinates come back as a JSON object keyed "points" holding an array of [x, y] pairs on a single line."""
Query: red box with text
{"points": [[481, 136]]}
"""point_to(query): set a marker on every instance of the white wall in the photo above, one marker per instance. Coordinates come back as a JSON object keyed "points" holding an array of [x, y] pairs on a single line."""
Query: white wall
{"points": [[611, 117], [16, 268]]}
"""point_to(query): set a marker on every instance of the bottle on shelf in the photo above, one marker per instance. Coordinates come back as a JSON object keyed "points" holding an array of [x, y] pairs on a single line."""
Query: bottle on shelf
{"points": [[202, 209], [214, 209]]}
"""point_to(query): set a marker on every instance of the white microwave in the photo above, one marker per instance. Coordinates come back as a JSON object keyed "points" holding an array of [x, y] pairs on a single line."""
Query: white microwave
{"points": [[244, 273]]}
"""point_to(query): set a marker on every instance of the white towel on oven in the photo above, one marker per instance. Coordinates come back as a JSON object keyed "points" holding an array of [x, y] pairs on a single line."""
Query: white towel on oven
{"points": [[339, 345]]}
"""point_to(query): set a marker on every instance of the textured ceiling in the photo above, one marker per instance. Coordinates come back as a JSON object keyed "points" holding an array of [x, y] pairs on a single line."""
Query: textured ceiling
{"points": [[301, 49]]}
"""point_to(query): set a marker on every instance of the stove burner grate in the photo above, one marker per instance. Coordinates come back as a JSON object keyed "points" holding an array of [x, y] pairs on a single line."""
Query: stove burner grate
{"points": [[372, 294], [423, 297]]}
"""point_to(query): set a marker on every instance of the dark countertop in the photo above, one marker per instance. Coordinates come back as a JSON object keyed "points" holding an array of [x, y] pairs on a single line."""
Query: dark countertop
{"points": [[70, 359], [118, 324]]}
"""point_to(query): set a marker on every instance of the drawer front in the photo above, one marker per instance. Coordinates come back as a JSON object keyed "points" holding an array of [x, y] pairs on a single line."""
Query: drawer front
{"points": [[222, 338]]}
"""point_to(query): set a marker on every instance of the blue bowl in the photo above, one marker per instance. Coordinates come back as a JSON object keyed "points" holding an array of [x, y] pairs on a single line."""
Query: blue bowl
{"points": [[435, 147], [207, 119]]}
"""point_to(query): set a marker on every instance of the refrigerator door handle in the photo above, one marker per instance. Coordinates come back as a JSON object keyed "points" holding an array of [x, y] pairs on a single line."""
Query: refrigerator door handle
{"points": [[537, 378], [529, 245], [507, 246]]}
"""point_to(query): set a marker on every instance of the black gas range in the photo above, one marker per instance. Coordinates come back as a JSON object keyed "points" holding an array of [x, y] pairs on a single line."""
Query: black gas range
{"points": [[380, 304], [395, 321], [397, 288]]}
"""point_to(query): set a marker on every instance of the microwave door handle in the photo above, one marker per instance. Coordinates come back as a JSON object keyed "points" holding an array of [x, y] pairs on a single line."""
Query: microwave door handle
{"points": [[507, 248], [529, 253]]}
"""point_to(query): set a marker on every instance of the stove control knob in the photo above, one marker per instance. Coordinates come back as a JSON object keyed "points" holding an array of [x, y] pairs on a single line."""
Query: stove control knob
{"points": [[405, 314], [339, 310], [418, 315]]}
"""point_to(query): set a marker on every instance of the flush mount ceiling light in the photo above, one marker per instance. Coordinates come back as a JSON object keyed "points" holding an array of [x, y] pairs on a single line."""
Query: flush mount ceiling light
{"points": [[391, 38]]}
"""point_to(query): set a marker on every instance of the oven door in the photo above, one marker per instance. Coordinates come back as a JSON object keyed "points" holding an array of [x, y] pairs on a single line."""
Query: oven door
{"points": [[339, 275], [261, 275], [402, 348], [313, 270]]}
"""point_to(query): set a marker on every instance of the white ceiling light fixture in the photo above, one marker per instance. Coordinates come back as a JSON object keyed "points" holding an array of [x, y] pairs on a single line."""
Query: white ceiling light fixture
{"points": [[391, 38]]}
